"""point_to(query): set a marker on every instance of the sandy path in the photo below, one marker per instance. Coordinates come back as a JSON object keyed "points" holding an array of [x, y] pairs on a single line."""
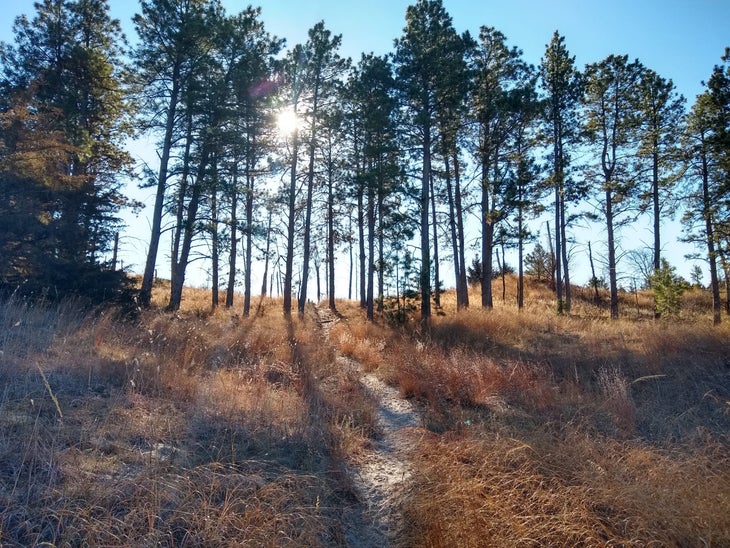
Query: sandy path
{"points": [[381, 473]]}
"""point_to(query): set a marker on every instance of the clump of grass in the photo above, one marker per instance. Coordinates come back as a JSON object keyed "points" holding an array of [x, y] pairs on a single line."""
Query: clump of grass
{"points": [[363, 341], [208, 505], [30, 327], [187, 428], [563, 490], [616, 391]]}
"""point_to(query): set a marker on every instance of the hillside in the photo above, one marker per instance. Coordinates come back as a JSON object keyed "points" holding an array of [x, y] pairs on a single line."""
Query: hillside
{"points": [[502, 428]]}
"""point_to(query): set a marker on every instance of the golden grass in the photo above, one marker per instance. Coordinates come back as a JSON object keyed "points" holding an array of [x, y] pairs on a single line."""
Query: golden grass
{"points": [[571, 430], [565, 491], [205, 428], [196, 428]]}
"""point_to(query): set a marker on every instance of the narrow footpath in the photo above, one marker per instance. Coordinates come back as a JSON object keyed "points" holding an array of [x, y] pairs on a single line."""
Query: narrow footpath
{"points": [[379, 476]]}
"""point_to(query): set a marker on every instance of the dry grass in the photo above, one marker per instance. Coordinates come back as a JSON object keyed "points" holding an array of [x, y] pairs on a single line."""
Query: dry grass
{"points": [[562, 431], [207, 429], [565, 490], [194, 428]]}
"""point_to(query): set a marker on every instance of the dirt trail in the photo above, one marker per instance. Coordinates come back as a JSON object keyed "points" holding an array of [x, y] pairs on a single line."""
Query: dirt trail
{"points": [[380, 475]]}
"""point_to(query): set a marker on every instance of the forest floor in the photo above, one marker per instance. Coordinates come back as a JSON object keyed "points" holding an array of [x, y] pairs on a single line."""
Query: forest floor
{"points": [[492, 428]]}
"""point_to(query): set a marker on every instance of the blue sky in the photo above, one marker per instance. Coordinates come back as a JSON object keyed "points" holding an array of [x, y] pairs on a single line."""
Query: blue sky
{"points": [[681, 40]]}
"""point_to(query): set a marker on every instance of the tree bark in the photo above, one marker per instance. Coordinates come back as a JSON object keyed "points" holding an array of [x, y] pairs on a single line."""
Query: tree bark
{"points": [[371, 251], [145, 294], [452, 228], [266, 255], [425, 251], [189, 231], [564, 253], [248, 239], [289, 262], [215, 247], [460, 232], [331, 235], [436, 273], [233, 249], [558, 247], [613, 282], [710, 234]]}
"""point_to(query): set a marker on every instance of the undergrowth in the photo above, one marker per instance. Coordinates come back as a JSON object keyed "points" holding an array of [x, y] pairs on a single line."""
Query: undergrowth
{"points": [[202, 428], [544, 430], [186, 429]]}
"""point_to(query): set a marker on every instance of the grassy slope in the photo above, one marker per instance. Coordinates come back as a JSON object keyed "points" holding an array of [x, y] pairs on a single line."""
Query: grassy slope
{"points": [[205, 429]]}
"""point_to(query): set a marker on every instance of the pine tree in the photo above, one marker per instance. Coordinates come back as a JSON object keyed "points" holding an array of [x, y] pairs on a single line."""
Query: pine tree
{"points": [[707, 144], [562, 84], [372, 93], [63, 88], [323, 68], [451, 116], [498, 71], [172, 42], [428, 47], [611, 124], [662, 113], [247, 133], [668, 288]]}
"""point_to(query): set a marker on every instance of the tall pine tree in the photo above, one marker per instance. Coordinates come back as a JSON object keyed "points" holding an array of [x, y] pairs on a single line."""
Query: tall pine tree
{"points": [[65, 119]]}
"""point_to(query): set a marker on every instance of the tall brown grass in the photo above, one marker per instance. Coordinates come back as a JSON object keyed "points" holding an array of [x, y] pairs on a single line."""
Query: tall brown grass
{"points": [[565, 489], [196, 428], [574, 430], [206, 428]]}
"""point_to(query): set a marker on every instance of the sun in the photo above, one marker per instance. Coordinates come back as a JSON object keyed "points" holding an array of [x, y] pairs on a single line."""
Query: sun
{"points": [[287, 121]]}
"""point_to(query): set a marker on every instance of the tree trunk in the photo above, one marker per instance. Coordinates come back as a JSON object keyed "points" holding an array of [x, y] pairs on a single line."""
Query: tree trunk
{"points": [[189, 232], [361, 239], [371, 252], [557, 251], [502, 269], [289, 264], [612, 280], [115, 251], [564, 253], [655, 203], [381, 250], [317, 266], [425, 251], [596, 296], [180, 206], [310, 193], [460, 232], [552, 256], [233, 249], [436, 273], [452, 230], [248, 234], [725, 266], [487, 240], [145, 294], [215, 248], [710, 234], [266, 255], [520, 252], [331, 234], [352, 260]]}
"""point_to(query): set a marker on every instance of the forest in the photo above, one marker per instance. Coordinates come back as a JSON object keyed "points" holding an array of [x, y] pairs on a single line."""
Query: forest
{"points": [[384, 171], [447, 383]]}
